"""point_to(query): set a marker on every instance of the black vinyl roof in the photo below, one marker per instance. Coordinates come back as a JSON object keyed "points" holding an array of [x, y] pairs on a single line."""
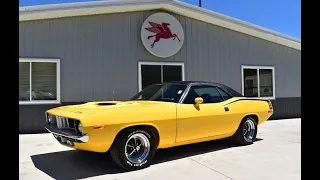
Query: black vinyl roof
{"points": [[227, 89], [191, 82]]}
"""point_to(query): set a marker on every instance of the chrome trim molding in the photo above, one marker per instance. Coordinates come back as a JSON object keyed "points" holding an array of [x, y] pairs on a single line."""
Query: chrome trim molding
{"points": [[83, 138]]}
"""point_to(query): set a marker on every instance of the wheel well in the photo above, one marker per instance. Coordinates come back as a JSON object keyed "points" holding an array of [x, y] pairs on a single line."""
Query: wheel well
{"points": [[255, 117], [152, 129]]}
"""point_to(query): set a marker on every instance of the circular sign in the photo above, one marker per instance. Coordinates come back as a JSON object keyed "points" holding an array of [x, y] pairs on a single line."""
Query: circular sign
{"points": [[162, 35]]}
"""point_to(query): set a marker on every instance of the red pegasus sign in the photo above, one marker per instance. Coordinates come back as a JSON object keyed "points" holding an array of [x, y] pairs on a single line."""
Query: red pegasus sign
{"points": [[162, 32]]}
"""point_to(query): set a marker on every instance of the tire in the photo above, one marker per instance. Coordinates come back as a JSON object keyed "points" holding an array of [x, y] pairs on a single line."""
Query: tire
{"points": [[125, 142], [247, 131]]}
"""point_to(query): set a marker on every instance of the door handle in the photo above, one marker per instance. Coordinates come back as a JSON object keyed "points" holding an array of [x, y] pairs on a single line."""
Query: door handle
{"points": [[226, 109]]}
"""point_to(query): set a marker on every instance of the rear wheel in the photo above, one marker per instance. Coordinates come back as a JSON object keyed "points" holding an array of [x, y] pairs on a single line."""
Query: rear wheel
{"points": [[247, 131], [133, 149]]}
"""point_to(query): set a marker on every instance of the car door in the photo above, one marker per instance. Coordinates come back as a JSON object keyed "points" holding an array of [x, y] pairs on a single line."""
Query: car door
{"points": [[204, 120]]}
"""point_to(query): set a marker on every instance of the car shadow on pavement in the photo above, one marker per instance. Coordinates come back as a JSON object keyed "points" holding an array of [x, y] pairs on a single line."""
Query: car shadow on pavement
{"points": [[75, 164]]}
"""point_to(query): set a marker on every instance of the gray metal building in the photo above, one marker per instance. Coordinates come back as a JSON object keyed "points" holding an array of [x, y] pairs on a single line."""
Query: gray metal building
{"points": [[79, 52]]}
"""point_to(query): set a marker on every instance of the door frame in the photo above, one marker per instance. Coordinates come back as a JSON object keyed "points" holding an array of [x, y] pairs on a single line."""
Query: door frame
{"points": [[161, 64]]}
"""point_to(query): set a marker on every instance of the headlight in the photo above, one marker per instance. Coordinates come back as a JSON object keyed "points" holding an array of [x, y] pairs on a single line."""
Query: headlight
{"points": [[80, 127], [49, 118]]}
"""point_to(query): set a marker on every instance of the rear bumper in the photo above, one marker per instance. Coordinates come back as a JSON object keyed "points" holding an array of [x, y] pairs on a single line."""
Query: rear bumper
{"points": [[83, 138]]}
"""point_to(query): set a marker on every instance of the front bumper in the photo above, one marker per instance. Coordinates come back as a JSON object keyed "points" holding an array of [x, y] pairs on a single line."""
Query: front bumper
{"points": [[83, 138]]}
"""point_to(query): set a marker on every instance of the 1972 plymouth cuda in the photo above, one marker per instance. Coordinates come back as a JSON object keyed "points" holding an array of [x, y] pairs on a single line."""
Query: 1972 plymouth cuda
{"points": [[160, 116]]}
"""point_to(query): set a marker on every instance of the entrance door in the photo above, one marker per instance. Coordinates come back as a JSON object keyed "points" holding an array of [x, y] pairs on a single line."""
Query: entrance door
{"points": [[154, 72]]}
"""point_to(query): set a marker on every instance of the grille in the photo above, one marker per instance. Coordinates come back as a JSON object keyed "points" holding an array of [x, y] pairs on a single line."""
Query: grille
{"points": [[62, 122]]}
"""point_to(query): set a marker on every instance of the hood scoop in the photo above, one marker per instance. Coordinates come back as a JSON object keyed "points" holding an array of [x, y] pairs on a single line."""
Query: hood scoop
{"points": [[110, 103], [106, 104], [114, 103]]}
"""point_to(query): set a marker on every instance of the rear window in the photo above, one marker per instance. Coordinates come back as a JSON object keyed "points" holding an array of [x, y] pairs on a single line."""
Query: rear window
{"points": [[231, 91]]}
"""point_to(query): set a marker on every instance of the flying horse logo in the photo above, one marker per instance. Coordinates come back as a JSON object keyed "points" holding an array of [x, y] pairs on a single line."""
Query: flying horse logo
{"points": [[162, 32]]}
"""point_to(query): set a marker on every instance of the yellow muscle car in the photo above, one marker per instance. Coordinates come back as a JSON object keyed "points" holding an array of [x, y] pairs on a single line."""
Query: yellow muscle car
{"points": [[160, 116]]}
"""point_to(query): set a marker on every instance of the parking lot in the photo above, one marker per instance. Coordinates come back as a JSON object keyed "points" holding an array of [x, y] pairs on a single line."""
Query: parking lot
{"points": [[275, 155]]}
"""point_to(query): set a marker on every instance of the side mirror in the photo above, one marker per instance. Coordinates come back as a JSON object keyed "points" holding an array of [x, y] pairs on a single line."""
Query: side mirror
{"points": [[198, 100]]}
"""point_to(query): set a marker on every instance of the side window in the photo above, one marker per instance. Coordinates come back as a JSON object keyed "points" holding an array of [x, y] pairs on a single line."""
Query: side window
{"points": [[209, 94], [223, 94]]}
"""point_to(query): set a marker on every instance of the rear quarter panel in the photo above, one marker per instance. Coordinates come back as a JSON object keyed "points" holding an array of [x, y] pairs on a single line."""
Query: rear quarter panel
{"points": [[240, 108]]}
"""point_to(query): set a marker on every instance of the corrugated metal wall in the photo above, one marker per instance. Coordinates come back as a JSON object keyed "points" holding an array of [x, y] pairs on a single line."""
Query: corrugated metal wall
{"points": [[99, 54]]}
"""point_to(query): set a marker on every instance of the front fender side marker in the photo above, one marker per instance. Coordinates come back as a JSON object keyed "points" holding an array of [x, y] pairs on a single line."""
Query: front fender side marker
{"points": [[98, 127]]}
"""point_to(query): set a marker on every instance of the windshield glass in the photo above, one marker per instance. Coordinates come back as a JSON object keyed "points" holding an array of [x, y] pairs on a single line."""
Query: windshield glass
{"points": [[161, 92]]}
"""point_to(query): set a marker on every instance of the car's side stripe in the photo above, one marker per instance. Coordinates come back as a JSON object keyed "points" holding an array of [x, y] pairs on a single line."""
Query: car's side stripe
{"points": [[246, 100]]}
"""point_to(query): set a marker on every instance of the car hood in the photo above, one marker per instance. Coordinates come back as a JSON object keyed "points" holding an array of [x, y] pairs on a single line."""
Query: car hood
{"points": [[92, 107]]}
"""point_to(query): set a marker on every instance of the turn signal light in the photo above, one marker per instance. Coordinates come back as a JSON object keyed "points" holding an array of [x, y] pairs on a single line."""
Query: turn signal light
{"points": [[98, 127]]}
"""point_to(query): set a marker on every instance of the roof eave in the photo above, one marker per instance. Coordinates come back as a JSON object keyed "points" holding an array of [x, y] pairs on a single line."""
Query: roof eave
{"points": [[86, 8]]}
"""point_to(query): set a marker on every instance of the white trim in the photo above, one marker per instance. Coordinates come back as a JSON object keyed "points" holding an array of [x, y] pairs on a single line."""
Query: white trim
{"points": [[258, 85], [30, 79], [160, 64], [36, 102], [57, 61], [161, 74], [116, 6], [38, 60], [258, 82]]}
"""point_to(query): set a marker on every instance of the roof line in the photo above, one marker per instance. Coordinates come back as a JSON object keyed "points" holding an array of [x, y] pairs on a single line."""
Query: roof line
{"points": [[50, 11], [85, 4]]}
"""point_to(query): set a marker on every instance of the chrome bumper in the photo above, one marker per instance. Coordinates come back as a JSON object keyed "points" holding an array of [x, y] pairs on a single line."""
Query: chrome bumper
{"points": [[83, 138]]}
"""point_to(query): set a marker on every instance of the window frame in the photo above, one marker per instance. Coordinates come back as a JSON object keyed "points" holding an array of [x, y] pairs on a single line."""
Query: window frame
{"points": [[58, 85], [140, 63], [243, 67], [183, 97], [220, 89]]}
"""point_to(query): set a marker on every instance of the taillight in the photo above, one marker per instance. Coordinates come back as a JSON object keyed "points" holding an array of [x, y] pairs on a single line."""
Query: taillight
{"points": [[270, 104]]}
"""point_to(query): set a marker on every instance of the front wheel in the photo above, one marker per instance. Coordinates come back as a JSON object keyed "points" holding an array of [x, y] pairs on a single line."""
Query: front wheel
{"points": [[247, 131], [133, 149]]}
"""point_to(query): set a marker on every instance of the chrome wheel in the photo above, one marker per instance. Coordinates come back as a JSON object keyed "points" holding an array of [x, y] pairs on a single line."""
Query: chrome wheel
{"points": [[249, 130], [137, 148]]}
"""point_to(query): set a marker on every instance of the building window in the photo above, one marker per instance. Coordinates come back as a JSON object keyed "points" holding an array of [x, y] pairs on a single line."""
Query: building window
{"points": [[159, 72], [39, 81], [258, 82]]}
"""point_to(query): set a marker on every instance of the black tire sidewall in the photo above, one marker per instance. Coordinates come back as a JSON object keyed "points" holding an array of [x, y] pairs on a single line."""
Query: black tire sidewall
{"points": [[239, 137], [121, 150], [255, 126]]}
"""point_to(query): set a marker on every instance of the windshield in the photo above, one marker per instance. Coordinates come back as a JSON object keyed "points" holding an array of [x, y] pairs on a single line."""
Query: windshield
{"points": [[161, 92]]}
